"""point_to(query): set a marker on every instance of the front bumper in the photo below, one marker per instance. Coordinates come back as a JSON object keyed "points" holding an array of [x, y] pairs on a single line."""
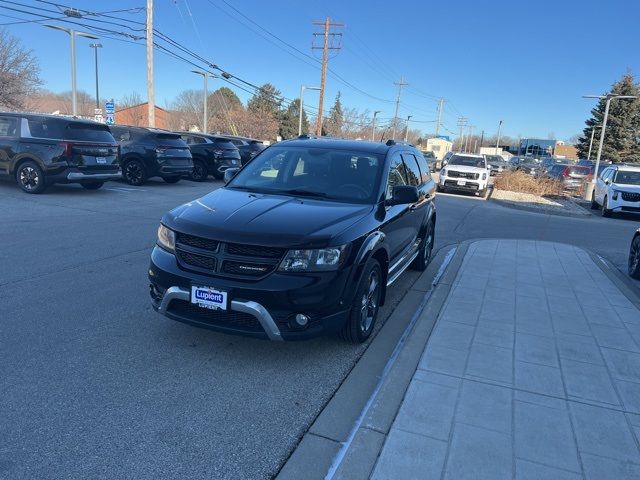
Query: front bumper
{"points": [[620, 205], [469, 185], [263, 308]]}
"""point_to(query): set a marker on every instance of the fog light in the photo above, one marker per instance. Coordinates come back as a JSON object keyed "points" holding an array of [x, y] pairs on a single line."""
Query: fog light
{"points": [[302, 319]]}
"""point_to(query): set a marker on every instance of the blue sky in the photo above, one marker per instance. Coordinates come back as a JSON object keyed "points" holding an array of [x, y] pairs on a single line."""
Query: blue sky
{"points": [[527, 63]]}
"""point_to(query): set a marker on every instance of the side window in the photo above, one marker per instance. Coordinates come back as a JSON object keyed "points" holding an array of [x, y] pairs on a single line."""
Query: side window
{"points": [[605, 174], [8, 126], [396, 175], [412, 170], [424, 168], [121, 134]]}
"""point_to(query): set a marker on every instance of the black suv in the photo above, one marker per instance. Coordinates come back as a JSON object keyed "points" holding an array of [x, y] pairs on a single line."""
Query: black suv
{"points": [[152, 152], [249, 147], [304, 240], [39, 150], [211, 155]]}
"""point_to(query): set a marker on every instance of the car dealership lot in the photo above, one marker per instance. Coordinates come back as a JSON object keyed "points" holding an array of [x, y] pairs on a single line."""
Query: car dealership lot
{"points": [[99, 385]]}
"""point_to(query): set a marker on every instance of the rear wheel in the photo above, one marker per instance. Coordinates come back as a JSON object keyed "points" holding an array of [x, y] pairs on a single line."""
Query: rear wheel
{"points": [[30, 177], [134, 173], [606, 212], [634, 258], [217, 175], [200, 171], [426, 249], [364, 308], [174, 179], [92, 185]]}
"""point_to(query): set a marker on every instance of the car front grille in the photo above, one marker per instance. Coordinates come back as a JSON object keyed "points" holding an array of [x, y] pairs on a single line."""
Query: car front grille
{"points": [[454, 184], [235, 260], [454, 174], [630, 196], [220, 318]]}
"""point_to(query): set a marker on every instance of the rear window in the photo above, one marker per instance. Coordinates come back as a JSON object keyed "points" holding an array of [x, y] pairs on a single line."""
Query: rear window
{"points": [[577, 170], [170, 139], [222, 143], [88, 133]]}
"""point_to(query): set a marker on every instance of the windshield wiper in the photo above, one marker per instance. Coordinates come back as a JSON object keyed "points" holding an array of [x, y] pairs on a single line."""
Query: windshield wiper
{"points": [[304, 193]]}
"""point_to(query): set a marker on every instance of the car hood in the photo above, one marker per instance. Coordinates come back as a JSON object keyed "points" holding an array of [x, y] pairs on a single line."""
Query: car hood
{"points": [[465, 168], [265, 219], [626, 187]]}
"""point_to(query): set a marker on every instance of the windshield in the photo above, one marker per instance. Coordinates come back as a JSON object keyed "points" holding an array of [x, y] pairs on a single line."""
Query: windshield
{"points": [[467, 161], [330, 174], [495, 159], [627, 178]]}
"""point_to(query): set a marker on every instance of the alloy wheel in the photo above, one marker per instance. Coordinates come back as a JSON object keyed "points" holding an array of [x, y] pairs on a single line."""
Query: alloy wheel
{"points": [[29, 178], [428, 246], [634, 256], [369, 303], [133, 172]]}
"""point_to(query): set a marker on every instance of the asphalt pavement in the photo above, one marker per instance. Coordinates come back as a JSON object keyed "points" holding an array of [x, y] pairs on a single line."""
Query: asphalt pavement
{"points": [[96, 384]]}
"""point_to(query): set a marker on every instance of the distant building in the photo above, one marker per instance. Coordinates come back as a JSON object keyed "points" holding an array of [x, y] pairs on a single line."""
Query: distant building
{"points": [[566, 151], [439, 147], [536, 147], [137, 115]]}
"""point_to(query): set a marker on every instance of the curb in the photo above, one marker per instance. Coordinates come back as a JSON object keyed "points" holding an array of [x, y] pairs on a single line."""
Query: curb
{"points": [[353, 424], [559, 213], [619, 279]]}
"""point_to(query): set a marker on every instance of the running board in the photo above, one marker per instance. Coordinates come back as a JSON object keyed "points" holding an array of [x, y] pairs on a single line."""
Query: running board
{"points": [[400, 271]]}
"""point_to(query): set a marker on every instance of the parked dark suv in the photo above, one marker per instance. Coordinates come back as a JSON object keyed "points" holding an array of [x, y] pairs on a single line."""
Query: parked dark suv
{"points": [[303, 241], [249, 147], [152, 152], [39, 150], [211, 155]]}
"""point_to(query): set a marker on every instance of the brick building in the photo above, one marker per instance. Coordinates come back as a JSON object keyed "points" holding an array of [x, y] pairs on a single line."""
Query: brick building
{"points": [[137, 115]]}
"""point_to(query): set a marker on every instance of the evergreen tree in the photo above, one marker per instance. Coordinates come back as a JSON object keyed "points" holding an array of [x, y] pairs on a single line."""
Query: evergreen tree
{"points": [[289, 121], [267, 100], [333, 124], [621, 141]]}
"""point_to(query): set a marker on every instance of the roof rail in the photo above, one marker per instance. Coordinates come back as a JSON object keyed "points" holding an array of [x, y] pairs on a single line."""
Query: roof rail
{"points": [[391, 142]]}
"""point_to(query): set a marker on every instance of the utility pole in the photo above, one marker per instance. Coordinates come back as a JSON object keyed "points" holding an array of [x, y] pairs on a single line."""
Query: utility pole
{"points": [[400, 84], [151, 103], [406, 130], [373, 126], [440, 108], [462, 122], [466, 143], [325, 56], [498, 140], [95, 47], [481, 141]]}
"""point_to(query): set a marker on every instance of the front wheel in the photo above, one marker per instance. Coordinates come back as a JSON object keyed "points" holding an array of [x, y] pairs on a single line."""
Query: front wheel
{"points": [[426, 249], [30, 177], [175, 179], [364, 308], [634, 258], [606, 212], [594, 204], [92, 185]]}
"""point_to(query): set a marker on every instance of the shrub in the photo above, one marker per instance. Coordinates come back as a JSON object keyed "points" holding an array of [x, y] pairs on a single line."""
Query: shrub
{"points": [[516, 181]]}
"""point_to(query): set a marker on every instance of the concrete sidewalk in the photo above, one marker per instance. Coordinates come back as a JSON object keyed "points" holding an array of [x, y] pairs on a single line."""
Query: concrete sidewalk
{"points": [[532, 372]]}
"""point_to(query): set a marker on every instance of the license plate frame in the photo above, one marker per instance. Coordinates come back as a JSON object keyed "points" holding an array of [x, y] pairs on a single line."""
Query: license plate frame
{"points": [[461, 183], [209, 298]]}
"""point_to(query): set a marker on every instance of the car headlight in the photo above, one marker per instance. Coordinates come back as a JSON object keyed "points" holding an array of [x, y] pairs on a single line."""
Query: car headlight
{"points": [[444, 172], [615, 194], [318, 260], [484, 176], [166, 238]]}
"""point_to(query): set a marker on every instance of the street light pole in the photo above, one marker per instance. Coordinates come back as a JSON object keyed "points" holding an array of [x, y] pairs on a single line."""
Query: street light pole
{"points": [[373, 126], [72, 34], [302, 89], [593, 131], [95, 47], [604, 127], [498, 140], [205, 115], [406, 130]]}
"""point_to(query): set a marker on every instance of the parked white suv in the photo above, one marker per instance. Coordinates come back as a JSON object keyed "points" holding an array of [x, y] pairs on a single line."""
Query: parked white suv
{"points": [[617, 190], [465, 172]]}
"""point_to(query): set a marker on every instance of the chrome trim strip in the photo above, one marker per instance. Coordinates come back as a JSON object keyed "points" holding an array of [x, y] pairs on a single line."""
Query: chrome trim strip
{"points": [[94, 176], [252, 308], [399, 272]]}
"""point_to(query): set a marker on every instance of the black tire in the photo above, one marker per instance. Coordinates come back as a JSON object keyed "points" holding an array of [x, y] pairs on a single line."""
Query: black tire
{"points": [[594, 204], [439, 188], [200, 171], [634, 258], [134, 173], [30, 177], [365, 306], [174, 179], [426, 249], [605, 211], [482, 193], [92, 185], [217, 175]]}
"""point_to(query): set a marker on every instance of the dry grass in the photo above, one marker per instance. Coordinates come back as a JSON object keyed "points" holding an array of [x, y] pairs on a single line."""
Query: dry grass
{"points": [[515, 181]]}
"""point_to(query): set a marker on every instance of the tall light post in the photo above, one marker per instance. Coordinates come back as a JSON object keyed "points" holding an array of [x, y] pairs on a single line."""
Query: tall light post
{"points": [[498, 140], [95, 47], [302, 89], [373, 125], [589, 191], [406, 130], [593, 131], [205, 115], [72, 34]]}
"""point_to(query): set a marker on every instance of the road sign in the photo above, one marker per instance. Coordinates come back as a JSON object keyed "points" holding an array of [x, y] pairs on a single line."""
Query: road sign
{"points": [[99, 118], [109, 119], [97, 111], [109, 107]]}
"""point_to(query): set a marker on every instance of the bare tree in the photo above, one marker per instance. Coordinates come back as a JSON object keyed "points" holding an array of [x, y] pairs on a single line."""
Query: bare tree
{"points": [[135, 117], [19, 72]]}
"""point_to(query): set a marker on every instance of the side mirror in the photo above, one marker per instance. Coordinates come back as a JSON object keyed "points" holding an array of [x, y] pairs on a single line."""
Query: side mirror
{"points": [[607, 182], [403, 195], [229, 173]]}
